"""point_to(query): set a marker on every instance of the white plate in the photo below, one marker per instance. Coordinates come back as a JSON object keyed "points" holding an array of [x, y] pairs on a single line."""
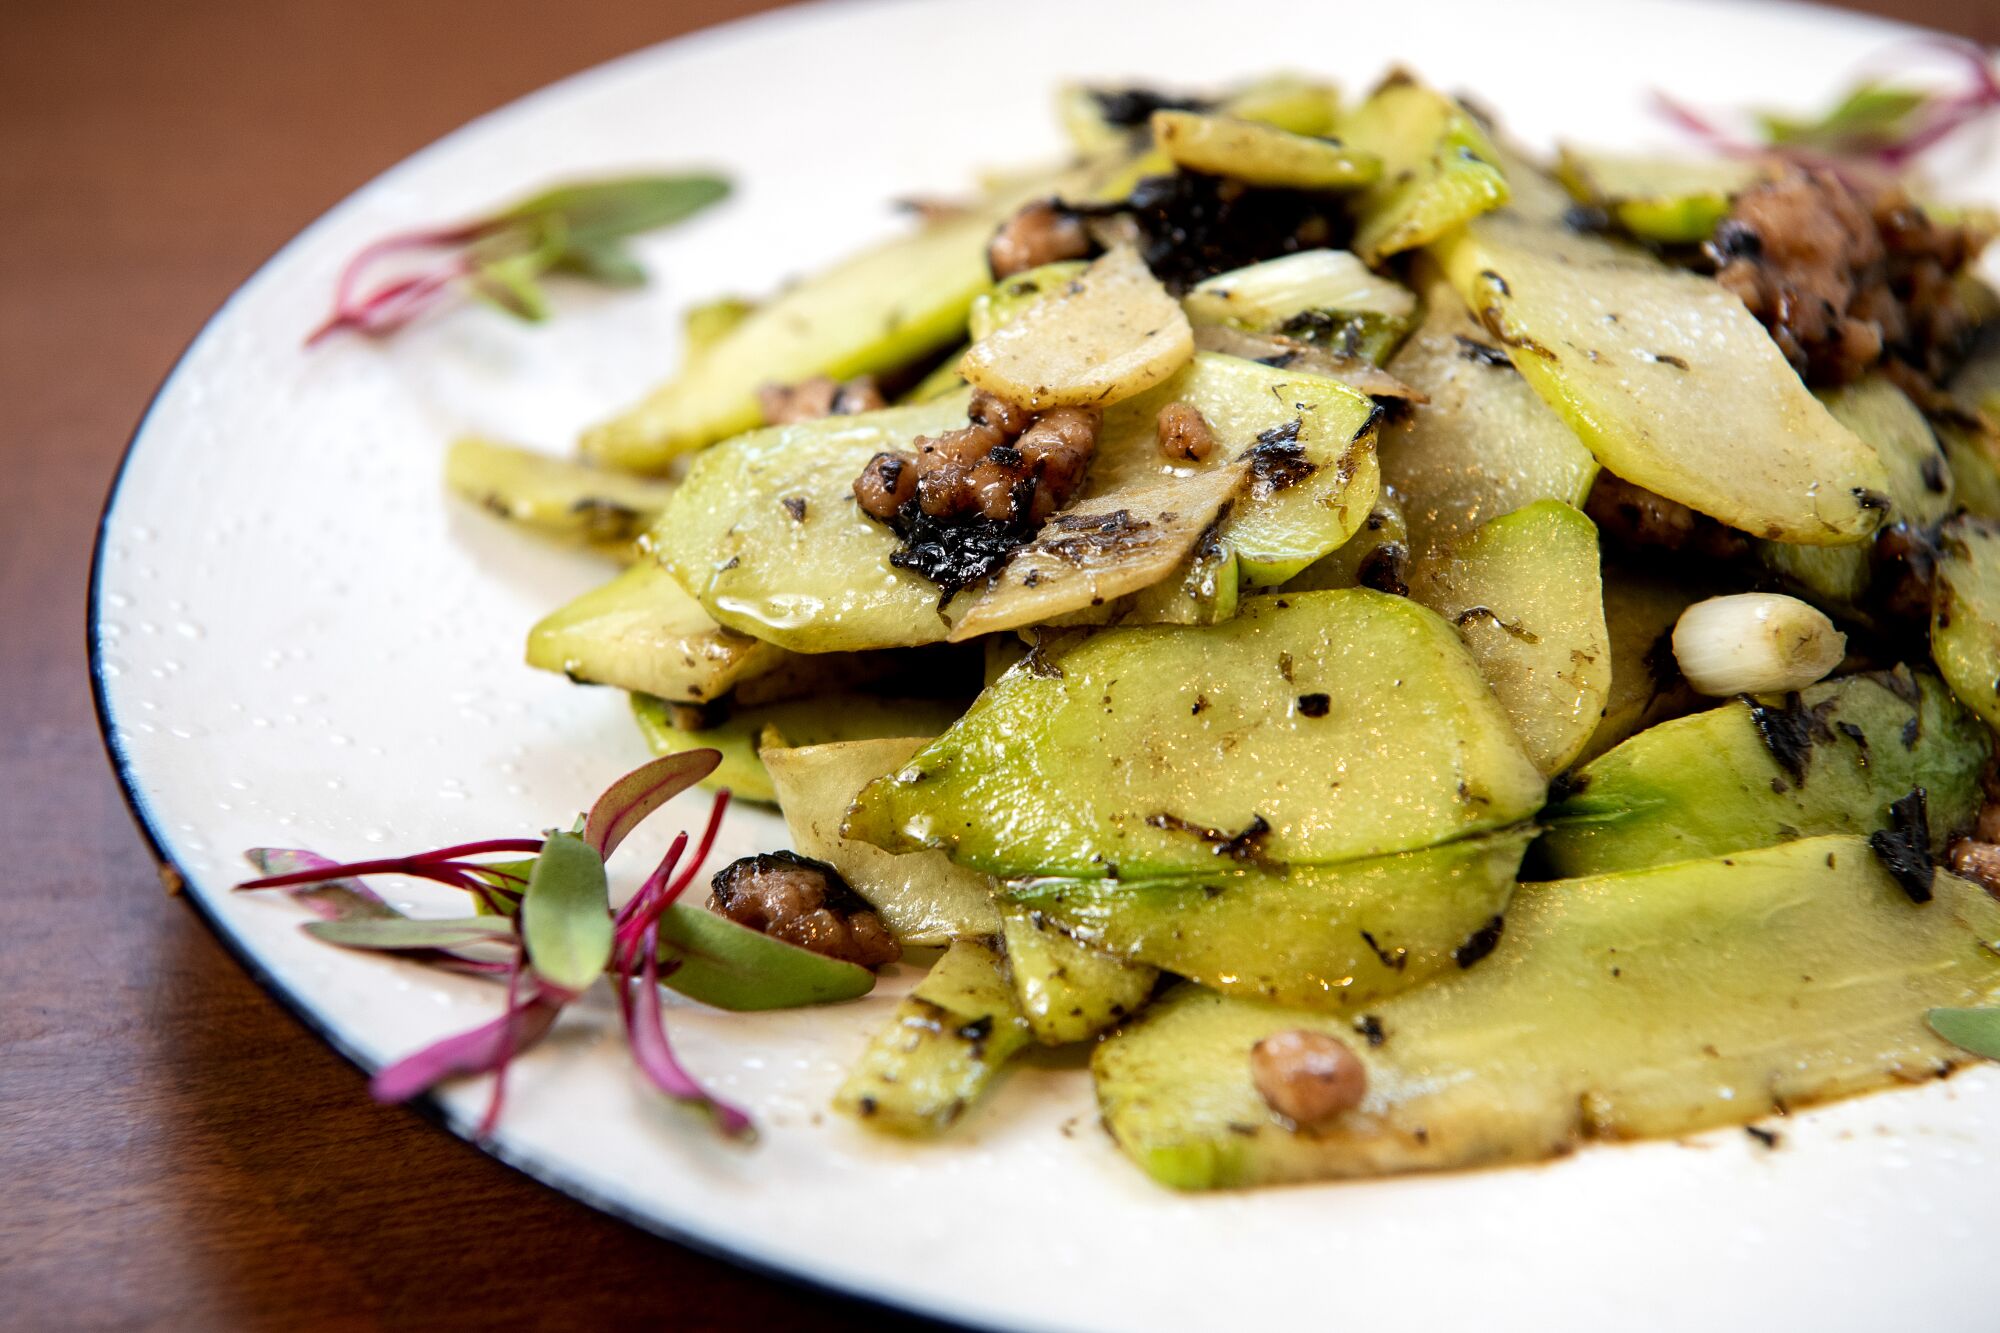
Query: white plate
{"points": [[300, 640]]}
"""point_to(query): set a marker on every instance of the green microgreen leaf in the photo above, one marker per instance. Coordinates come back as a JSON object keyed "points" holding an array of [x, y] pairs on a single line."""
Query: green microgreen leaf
{"points": [[604, 262], [718, 962], [592, 212], [1870, 115], [510, 284], [400, 933], [1975, 1030], [566, 915]]}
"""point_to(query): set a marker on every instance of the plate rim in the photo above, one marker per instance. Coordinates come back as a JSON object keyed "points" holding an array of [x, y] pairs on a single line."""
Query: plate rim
{"points": [[544, 1172]]}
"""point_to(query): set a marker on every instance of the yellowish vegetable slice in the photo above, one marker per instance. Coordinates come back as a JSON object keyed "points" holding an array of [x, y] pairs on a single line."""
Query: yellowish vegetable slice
{"points": [[557, 497], [921, 896], [1378, 556], [1965, 617], [704, 325], [1355, 369], [1262, 155], [1067, 990], [1312, 484], [1525, 593], [1438, 169], [1918, 491], [1651, 1004], [1112, 333], [1668, 380], [1829, 759], [880, 309], [1314, 727], [1317, 936], [941, 1049], [747, 732], [1672, 200], [1289, 101], [1639, 614], [1325, 298], [765, 533], [1483, 443], [643, 632]]}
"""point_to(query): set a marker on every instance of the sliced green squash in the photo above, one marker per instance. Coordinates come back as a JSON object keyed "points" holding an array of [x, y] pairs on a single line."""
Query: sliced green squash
{"points": [[643, 632], [1261, 155], [1438, 169], [1483, 443], [1318, 937], [1326, 298], [1668, 380], [1965, 615], [557, 497], [1525, 593], [1067, 990], [1010, 296], [921, 896], [876, 311], [815, 721], [941, 1049], [1377, 556], [812, 575], [1651, 1004], [1314, 727], [1676, 201], [1919, 490], [1973, 454], [1828, 760]]}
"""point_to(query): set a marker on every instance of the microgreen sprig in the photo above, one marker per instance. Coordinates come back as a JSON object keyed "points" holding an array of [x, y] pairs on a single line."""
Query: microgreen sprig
{"points": [[549, 930], [577, 229], [1875, 124]]}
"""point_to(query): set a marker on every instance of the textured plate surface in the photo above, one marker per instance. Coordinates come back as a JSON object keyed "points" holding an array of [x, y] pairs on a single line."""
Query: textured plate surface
{"points": [[302, 641]]}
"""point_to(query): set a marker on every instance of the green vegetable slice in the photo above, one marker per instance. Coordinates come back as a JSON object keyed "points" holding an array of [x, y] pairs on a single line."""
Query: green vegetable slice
{"points": [[643, 632], [880, 309], [941, 1049], [1828, 760], [1438, 169], [1965, 617], [1656, 1003], [557, 497], [1318, 937], [1314, 727], [1261, 155], [1670, 200], [1067, 990]]}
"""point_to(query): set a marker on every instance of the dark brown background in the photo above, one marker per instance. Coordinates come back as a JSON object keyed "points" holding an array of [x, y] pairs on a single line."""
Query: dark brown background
{"points": [[174, 1149]]}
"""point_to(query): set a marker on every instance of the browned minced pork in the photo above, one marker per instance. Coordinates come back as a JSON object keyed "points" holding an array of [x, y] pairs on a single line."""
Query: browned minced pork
{"points": [[1634, 517], [978, 469], [886, 484], [1183, 433], [1845, 273], [1307, 1077], [1039, 233], [804, 902], [1976, 860], [820, 396]]}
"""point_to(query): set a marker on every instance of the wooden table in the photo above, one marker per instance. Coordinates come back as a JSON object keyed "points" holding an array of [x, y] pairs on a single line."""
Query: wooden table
{"points": [[175, 1150]]}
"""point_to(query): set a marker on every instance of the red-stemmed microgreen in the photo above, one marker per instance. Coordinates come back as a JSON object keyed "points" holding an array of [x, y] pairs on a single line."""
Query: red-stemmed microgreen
{"points": [[1876, 125], [552, 916], [577, 229]]}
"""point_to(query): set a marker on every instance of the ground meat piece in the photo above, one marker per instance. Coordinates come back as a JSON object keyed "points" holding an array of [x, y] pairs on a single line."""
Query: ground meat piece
{"points": [[1058, 447], [804, 902], [1976, 860], [1183, 433], [1637, 519], [969, 497], [1844, 272], [1307, 1077], [886, 484], [1039, 233], [987, 409], [820, 396]]}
